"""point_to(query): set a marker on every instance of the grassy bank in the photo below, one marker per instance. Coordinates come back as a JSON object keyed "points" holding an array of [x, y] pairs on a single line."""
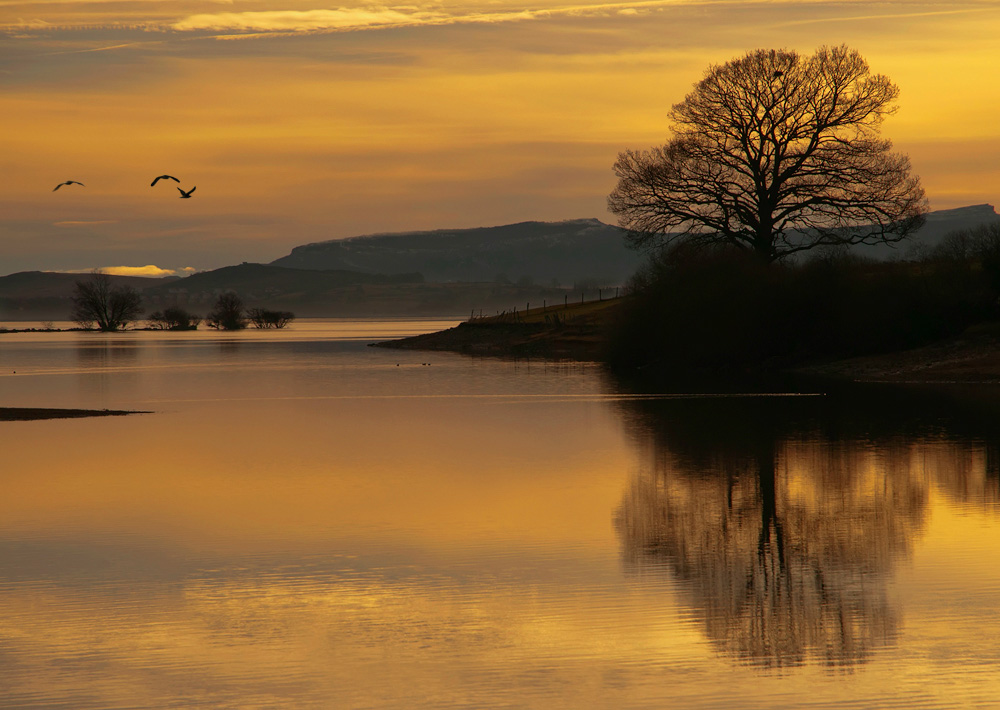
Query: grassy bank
{"points": [[574, 331]]}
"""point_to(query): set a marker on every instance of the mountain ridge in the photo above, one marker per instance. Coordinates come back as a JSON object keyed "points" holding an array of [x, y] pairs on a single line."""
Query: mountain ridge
{"points": [[564, 252]]}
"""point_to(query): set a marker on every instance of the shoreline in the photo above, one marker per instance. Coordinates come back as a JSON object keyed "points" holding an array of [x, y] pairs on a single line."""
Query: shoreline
{"points": [[971, 358], [26, 414]]}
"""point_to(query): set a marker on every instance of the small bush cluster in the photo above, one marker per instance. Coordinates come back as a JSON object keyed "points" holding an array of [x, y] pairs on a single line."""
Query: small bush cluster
{"points": [[230, 314], [263, 318], [173, 319], [723, 310]]}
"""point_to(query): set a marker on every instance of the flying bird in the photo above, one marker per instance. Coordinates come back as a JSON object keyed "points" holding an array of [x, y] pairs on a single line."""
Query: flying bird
{"points": [[187, 194], [68, 182], [163, 177]]}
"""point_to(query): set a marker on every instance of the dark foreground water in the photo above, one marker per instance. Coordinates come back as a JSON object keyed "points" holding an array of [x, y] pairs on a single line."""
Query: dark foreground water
{"points": [[307, 522]]}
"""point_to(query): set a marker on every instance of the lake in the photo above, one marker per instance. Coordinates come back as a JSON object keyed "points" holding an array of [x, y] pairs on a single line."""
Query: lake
{"points": [[303, 521]]}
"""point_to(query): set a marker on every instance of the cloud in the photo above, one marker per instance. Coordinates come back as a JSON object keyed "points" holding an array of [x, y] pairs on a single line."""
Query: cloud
{"points": [[306, 20], [349, 19], [149, 270]]}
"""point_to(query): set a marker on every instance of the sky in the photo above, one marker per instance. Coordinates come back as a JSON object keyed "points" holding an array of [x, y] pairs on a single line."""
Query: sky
{"points": [[305, 120]]}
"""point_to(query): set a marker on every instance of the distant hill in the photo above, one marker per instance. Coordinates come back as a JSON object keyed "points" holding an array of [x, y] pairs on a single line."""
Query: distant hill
{"points": [[49, 284], [45, 295], [273, 286], [567, 252], [939, 224], [344, 293], [262, 281]]}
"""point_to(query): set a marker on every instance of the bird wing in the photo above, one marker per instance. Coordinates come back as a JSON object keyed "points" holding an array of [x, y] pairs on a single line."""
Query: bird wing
{"points": [[58, 186], [192, 189], [163, 177]]}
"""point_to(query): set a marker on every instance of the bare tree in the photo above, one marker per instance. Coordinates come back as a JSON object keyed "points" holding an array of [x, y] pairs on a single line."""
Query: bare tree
{"points": [[228, 313], [98, 301], [776, 153]]}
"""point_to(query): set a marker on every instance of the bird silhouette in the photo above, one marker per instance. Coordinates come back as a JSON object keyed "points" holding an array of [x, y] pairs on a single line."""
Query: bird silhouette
{"points": [[68, 182], [163, 177], [185, 195]]}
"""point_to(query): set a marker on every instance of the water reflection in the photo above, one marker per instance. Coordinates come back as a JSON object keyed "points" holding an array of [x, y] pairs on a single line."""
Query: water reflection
{"points": [[106, 353], [783, 519]]}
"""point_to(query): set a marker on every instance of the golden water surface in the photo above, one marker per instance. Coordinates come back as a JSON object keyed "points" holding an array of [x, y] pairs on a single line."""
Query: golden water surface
{"points": [[304, 521]]}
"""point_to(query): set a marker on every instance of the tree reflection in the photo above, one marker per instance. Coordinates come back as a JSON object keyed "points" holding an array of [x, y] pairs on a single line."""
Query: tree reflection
{"points": [[783, 518]]}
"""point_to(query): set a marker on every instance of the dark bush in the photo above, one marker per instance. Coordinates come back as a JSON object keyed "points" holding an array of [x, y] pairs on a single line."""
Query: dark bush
{"points": [[228, 313], [724, 310], [263, 318], [174, 319]]}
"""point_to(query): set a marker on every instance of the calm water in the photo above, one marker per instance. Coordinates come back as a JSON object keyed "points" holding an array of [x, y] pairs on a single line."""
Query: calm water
{"points": [[307, 522]]}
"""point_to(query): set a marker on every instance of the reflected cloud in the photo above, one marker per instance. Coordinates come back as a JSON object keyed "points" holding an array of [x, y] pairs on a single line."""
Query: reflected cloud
{"points": [[783, 520]]}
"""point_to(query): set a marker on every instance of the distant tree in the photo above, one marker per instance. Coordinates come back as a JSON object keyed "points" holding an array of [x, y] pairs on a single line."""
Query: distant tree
{"points": [[174, 319], [228, 313], [262, 318], [775, 153], [99, 302]]}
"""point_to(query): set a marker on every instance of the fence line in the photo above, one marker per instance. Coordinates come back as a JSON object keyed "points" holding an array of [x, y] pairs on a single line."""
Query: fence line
{"points": [[514, 315]]}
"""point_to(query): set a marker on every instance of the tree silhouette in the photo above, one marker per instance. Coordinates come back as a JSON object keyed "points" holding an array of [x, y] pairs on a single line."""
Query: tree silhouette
{"points": [[228, 313], [98, 301], [776, 153]]}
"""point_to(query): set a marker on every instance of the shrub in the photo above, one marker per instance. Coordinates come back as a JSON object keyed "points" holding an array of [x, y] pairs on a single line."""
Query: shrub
{"points": [[228, 313], [726, 310], [174, 319], [262, 318]]}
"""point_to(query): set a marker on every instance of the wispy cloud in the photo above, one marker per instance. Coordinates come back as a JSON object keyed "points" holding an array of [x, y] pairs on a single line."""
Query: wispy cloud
{"points": [[307, 20], [348, 19]]}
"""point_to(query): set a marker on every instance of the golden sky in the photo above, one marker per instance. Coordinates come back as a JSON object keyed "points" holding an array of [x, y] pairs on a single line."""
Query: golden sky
{"points": [[305, 120]]}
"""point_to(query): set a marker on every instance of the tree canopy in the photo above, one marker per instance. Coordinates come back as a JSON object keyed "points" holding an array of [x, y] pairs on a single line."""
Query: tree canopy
{"points": [[777, 153]]}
